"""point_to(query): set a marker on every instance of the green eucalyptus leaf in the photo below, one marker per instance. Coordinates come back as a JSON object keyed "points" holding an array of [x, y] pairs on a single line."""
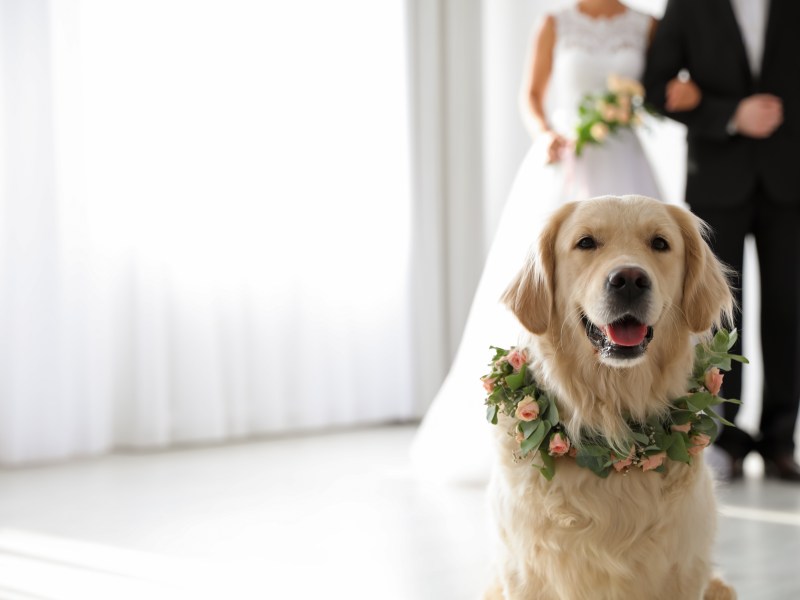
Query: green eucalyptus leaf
{"points": [[723, 362], [594, 450], [699, 401], [516, 380], [708, 426], [498, 354], [681, 417], [535, 438], [491, 414], [595, 464], [722, 419], [587, 460], [548, 467], [497, 395], [722, 340], [682, 403], [663, 440], [733, 336], [552, 410], [677, 449], [528, 427], [548, 425]]}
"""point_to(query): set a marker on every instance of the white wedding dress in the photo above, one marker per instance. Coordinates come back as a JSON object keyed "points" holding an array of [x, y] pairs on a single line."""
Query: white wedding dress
{"points": [[453, 442]]}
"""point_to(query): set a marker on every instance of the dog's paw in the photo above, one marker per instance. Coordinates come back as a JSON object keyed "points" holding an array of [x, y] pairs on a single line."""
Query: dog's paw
{"points": [[719, 590]]}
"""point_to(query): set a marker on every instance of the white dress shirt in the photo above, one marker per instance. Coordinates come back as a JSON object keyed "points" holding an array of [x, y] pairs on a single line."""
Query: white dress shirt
{"points": [[752, 18]]}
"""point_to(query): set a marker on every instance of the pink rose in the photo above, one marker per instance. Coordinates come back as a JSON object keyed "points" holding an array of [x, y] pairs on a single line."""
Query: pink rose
{"points": [[653, 462], [614, 83], [599, 131], [683, 428], [619, 465], [624, 85], [607, 111], [699, 442], [713, 381], [624, 115], [527, 409], [488, 384], [516, 359], [559, 445]]}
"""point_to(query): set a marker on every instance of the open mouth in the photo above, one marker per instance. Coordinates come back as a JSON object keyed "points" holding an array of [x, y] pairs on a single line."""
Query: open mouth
{"points": [[625, 338]]}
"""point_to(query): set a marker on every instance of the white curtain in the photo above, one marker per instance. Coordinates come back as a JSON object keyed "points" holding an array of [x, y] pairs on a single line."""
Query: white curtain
{"points": [[221, 219], [205, 221]]}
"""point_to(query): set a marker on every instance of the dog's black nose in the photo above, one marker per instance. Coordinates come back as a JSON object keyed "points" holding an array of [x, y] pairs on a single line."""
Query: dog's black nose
{"points": [[628, 282]]}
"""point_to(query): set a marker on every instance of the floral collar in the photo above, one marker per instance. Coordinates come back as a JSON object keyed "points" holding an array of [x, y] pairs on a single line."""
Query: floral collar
{"points": [[688, 428]]}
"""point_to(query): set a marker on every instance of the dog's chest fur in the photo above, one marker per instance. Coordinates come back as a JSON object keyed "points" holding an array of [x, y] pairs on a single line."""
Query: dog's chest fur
{"points": [[578, 533]]}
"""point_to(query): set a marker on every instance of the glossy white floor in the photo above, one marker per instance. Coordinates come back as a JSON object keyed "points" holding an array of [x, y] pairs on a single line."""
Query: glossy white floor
{"points": [[331, 516]]}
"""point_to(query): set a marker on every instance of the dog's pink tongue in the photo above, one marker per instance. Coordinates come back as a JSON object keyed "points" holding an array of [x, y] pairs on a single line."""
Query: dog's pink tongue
{"points": [[626, 333]]}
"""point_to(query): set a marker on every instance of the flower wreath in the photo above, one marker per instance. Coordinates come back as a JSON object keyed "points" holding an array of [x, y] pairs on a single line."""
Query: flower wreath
{"points": [[683, 433]]}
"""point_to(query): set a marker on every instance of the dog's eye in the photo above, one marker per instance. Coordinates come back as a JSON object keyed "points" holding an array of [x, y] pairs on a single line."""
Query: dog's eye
{"points": [[659, 244], [587, 242]]}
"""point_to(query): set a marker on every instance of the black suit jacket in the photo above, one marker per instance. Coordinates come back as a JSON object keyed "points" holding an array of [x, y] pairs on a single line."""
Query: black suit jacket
{"points": [[703, 36]]}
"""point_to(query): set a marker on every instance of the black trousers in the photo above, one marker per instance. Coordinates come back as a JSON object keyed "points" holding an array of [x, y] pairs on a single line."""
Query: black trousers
{"points": [[776, 230]]}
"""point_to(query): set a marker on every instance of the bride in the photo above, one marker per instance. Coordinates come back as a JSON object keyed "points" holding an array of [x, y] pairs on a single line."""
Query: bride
{"points": [[574, 52]]}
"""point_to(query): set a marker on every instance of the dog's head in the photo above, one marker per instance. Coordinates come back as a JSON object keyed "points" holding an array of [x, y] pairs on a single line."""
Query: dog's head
{"points": [[618, 273]]}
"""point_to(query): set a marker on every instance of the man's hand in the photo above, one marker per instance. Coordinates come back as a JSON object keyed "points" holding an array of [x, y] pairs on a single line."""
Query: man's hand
{"points": [[682, 94], [758, 116]]}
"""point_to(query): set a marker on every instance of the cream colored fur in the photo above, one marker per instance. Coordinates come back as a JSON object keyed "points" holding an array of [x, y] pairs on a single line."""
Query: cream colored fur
{"points": [[634, 536]]}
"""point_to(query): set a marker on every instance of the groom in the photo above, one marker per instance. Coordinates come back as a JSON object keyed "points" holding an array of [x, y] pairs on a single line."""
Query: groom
{"points": [[743, 178]]}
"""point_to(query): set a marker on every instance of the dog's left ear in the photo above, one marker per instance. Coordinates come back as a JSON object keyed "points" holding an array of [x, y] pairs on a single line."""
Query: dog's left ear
{"points": [[530, 295], [707, 299]]}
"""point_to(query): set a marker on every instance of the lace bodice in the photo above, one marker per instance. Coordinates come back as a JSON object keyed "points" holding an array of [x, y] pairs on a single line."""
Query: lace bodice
{"points": [[587, 50]]}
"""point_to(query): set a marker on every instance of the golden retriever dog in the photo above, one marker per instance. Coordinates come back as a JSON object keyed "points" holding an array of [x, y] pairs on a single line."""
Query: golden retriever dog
{"points": [[615, 295]]}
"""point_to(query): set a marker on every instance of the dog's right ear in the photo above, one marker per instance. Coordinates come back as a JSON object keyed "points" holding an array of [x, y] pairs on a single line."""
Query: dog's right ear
{"points": [[530, 296]]}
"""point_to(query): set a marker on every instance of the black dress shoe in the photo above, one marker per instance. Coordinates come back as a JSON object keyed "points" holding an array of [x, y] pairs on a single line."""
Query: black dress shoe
{"points": [[726, 466], [782, 466]]}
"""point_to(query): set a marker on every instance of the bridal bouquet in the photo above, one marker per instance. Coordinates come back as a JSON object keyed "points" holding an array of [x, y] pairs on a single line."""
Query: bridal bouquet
{"points": [[600, 115]]}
